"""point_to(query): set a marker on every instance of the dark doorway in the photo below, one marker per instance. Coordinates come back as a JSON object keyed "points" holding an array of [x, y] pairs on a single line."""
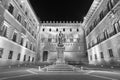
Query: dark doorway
{"points": [[45, 55]]}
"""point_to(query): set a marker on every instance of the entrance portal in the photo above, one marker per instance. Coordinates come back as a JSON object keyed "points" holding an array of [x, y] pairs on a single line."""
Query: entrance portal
{"points": [[45, 55]]}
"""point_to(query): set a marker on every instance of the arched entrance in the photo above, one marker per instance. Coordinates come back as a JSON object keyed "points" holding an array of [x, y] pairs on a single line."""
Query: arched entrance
{"points": [[45, 55]]}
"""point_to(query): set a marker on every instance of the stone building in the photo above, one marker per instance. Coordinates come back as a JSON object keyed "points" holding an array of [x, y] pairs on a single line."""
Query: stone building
{"points": [[74, 41], [102, 27], [19, 29]]}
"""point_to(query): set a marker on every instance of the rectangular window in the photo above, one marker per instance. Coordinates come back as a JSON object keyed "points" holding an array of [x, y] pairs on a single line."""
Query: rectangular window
{"points": [[10, 55], [18, 57], [26, 45], [21, 42], [14, 37], [102, 55], [95, 56], [32, 59], [1, 52], [24, 58], [31, 46], [25, 24], [29, 59], [3, 31], [91, 57], [110, 52], [11, 8]]}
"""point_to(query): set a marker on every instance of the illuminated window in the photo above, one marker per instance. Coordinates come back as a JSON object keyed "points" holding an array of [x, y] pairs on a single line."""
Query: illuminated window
{"points": [[10, 55], [11, 8]]}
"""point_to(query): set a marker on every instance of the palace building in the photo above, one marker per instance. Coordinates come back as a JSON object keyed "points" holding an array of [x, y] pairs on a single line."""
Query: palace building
{"points": [[102, 27], [19, 28], [74, 41]]}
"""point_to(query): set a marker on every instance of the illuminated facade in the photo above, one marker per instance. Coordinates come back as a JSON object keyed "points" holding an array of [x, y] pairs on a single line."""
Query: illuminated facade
{"points": [[74, 41], [102, 27], [18, 32]]}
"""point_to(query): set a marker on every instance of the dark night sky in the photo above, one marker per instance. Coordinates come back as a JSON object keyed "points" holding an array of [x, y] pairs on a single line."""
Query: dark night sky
{"points": [[61, 10]]}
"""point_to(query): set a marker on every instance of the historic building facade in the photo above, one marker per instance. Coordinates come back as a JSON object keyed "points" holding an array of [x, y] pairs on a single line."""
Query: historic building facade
{"points": [[102, 27], [19, 28], [74, 41]]}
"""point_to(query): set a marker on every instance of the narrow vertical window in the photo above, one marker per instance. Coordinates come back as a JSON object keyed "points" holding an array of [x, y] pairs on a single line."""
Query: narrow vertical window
{"points": [[14, 37], [33, 59], [19, 17], [102, 55], [91, 57], [21, 42], [10, 55], [24, 58], [18, 57], [95, 56], [110, 52], [29, 59]]}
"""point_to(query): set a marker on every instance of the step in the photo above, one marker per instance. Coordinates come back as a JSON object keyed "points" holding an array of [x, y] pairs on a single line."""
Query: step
{"points": [[60, 67]]}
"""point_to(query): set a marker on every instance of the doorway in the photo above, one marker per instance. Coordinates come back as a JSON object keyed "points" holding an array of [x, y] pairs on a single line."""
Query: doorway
{"points": [[45, 55]]}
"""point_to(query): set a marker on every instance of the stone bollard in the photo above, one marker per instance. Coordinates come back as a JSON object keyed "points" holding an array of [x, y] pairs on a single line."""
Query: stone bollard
{"points": [[101, 65], [81, 67], [18, 65], [9, 66], [39, 68]]}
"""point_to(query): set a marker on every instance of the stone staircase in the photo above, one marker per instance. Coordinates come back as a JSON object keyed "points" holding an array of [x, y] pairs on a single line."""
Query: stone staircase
{"points": [[60, 68]]}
